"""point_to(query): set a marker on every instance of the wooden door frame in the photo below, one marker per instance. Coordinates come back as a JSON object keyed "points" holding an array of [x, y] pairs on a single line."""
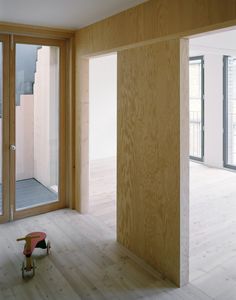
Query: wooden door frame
{"points": [[5, 128], [17, 39]]}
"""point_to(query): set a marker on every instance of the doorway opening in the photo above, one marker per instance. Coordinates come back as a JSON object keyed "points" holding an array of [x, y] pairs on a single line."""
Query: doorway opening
{"points": [[212, 130], [103, 138]]}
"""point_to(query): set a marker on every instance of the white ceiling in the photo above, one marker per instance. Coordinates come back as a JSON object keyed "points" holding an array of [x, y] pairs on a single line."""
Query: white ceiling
{"points": [[71, 14], [220, 40]]}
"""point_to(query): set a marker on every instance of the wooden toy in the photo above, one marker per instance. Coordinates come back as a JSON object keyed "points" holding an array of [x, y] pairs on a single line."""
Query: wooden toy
{"points": [[33, 240]]}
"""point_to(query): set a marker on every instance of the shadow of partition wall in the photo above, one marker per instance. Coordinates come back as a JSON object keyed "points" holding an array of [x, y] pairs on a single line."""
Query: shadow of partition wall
{"points": [[36, 125]]}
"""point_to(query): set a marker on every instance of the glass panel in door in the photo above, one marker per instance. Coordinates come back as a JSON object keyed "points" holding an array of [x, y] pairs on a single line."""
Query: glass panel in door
{"points": [[36, 125]]}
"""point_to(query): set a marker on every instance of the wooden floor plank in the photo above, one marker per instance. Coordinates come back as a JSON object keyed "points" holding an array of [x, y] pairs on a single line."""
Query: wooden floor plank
{"points": [[212, 214], [87, 263]]}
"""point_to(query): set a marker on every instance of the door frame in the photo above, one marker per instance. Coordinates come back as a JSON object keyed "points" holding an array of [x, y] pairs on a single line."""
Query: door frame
{"points": [[61, 203], [5, 39], [8, 132]]}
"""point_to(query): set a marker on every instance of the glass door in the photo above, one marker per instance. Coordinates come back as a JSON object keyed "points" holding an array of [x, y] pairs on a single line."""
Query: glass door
{"points": [[4, 128], [37, 124]]}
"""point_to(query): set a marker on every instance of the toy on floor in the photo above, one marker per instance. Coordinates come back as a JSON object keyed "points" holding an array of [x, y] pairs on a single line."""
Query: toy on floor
{"points": [[33, 240]]}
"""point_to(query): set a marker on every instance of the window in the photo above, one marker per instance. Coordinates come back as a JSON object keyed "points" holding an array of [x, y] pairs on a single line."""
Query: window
{"points": [[196, 108], [229, 147]]}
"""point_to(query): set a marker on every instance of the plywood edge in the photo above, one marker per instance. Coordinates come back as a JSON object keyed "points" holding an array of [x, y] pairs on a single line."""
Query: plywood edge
{"points": [[70, 123], [82, 136], [184, 162]]}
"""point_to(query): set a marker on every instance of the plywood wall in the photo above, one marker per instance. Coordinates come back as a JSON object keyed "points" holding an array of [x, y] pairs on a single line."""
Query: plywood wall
{"points": [[156, 19], [153, 121], [148, 155]]}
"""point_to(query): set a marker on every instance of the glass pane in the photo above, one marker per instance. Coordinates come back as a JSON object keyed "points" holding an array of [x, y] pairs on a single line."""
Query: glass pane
{"points": [[37, 121], [195, 108], [1, 97], [231, 112]]}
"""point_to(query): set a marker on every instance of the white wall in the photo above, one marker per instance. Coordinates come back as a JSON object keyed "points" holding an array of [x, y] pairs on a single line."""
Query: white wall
{"points": [[214, 110], [46, 112], [41, 117], [102, 106], [25, 138]]}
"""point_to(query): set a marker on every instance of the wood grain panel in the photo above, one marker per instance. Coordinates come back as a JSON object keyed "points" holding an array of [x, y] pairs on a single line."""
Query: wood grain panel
{"points": [[70, 124], [149, 200], [35, 31], [184, 161], [153, 20], [156, 19], [5, 129], [163, 186]]}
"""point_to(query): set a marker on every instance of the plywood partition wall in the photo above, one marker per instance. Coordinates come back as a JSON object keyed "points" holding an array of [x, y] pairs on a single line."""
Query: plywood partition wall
{"points": [[153, 121], [150, 204], [156, 19]]}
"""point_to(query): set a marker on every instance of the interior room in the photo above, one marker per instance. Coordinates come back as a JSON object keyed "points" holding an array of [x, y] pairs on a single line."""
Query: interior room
{"points": [[159, 223], [212, 153], [103, 138]]}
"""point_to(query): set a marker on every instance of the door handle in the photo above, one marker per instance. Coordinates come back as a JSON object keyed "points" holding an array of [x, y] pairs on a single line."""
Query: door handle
{"points": [[12, 147]]}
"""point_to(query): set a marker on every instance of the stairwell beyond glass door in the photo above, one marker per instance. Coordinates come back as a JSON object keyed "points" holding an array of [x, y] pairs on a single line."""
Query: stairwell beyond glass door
{"points": [[36, 125]]}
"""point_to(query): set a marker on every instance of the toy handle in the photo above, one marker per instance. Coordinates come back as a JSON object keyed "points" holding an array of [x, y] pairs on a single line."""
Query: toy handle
{"points": [[28, 238]]}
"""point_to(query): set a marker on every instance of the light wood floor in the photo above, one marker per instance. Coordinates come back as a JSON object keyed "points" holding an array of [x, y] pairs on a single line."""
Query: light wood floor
{"points": [[102, 193], [212, 223], [87, 263], [213, 231]]}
